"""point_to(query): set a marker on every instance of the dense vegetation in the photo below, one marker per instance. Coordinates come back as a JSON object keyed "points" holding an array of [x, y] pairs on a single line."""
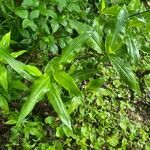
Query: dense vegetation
{"points": [[74, 74]]}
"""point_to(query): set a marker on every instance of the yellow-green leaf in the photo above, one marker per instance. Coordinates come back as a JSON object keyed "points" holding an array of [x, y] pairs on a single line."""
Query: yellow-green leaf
{"points": [[67, 82]]}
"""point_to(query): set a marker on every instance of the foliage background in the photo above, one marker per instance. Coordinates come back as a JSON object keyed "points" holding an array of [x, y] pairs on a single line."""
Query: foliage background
{"points": [[50, 41]]}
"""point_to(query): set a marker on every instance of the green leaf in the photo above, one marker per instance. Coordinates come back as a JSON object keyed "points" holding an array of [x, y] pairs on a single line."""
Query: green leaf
{"points": [[34, 14], [74, 7], [95, 84], [5, 42], [133, 49], [121, 23], [58, 105], [62, 3], [125, 73], [81, 75], [74, 47], [22, 13], [29, 23], [16, 54], [4, 104], [113, 140], [103, 5], [17, 84], [32, 70], [4, 78], [16, 65], [113, 11], [94, 41], [40, 87], [67, 82], [30, 3], [74, 104]]}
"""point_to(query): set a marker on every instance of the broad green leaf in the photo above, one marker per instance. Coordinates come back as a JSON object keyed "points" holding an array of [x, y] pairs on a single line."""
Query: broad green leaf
{"points": [[94, 41], [32, 70], [121, 23], [81, 75], [125, 73], [39, 88], [5, 42], [133, 49], [58, 105], [34, 14], [16, 54], [22, 13], [67, 82], [73, 49], [4, 104], [4, 78], [16, 65]]}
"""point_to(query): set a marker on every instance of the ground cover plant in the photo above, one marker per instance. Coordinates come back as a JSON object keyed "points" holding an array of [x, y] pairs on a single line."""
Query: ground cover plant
{"points": [[74, 74]]}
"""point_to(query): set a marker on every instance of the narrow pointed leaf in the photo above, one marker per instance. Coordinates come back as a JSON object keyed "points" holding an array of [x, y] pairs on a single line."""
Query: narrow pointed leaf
{"points": [[39, 88], [4, 104], [5, 42], [73, 49], [125, 73], [4, 78], [67, 82], [133, 49], [94, 41], [121, 23], [16, 54], [17, 84], [57, 103], [16, 65], [103, 5]]}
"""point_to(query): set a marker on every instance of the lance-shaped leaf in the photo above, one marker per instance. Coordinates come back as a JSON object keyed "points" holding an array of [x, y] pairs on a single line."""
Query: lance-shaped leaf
{"points": [[5, 42], [121, 23], [32, 70], [16, 54], [133, 49], [74, 47], [4, 78], [125, 73], [4, 104], [40, 87], [57, 103], [16, 65], [94, 41], [103, 5], [66, 81]]}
